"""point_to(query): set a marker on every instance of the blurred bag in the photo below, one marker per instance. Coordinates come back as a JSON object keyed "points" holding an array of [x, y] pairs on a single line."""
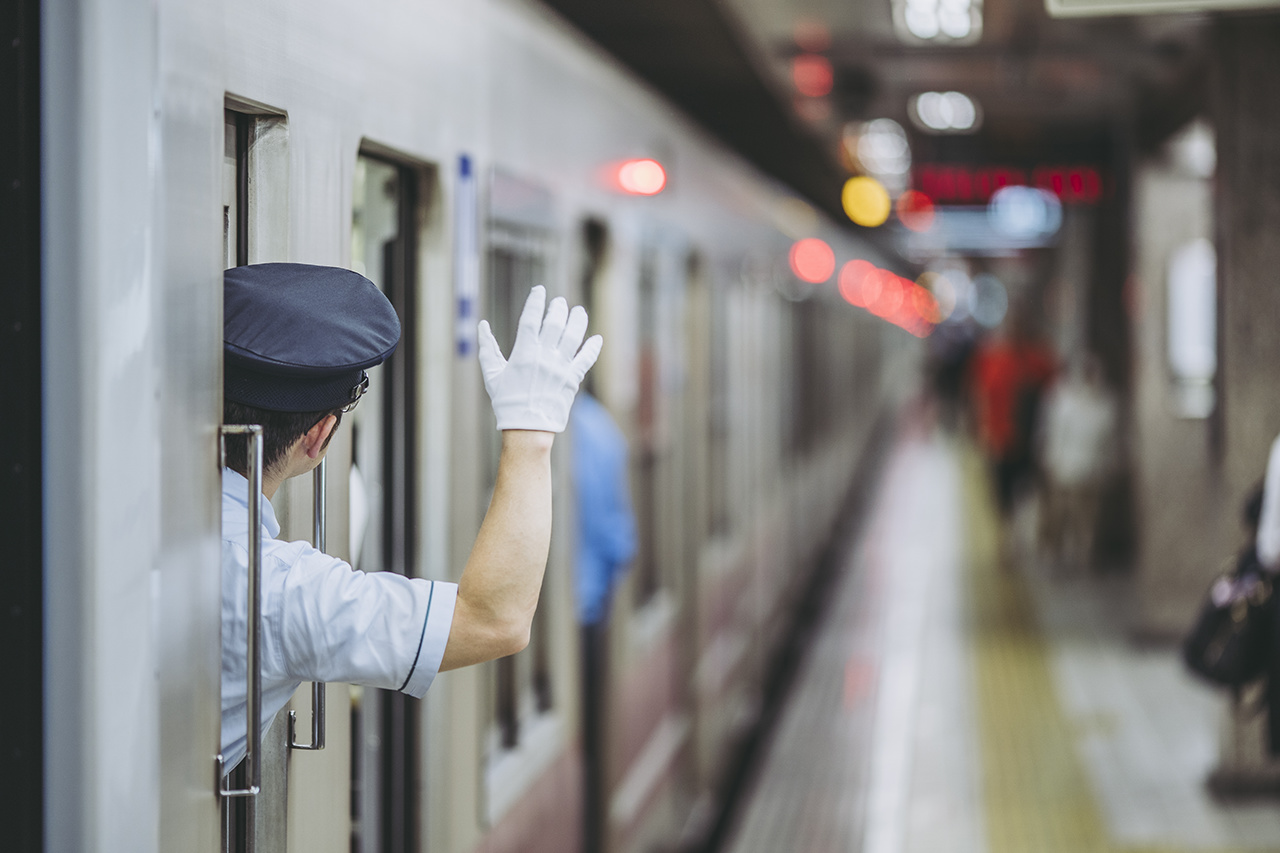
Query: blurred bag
{"points": [[1230, 643]]}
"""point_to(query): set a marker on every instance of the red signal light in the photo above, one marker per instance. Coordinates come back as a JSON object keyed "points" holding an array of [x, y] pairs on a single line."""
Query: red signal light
{"points": [[812, 260], [812, 75], [915, 210], [642, 177], [890, 298], [853, 278]]}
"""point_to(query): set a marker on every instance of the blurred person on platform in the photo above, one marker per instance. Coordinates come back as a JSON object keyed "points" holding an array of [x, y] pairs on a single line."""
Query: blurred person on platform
{"points": [[1268, 536], [1007, 376], [948, 351], [605, 546], [1077, 453]]}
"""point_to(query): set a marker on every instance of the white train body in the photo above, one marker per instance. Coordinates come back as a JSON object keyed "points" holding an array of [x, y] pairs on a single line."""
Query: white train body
{"points": [[746, 411]]}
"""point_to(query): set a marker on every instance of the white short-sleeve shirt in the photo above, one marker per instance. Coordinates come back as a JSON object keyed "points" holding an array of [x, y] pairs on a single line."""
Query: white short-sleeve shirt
{"points": [[322, 620]]}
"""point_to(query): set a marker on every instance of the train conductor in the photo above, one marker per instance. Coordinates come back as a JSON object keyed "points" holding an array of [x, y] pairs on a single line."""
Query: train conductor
{"points": [[297, 342]]}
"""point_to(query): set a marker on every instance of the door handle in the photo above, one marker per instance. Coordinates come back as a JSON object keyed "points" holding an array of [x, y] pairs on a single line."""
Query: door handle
{"points": [[253, 656], [318, 532]]}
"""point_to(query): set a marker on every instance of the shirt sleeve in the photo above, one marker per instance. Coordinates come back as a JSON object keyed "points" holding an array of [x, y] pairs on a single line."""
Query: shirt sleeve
{"points": [[1269, 521], [376, 629]]}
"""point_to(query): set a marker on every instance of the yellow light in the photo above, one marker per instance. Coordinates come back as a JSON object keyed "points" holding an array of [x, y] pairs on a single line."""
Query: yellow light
{"points": [[866, 201]]}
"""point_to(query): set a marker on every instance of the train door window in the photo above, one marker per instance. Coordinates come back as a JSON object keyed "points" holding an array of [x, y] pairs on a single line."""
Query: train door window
{"points": [[519, 254], [645, 457], [255, 189], [656, 473], [718, 518], [235, 171], [595, 243], [254, 230], [387, 201], [518, 259], [810, 403]]}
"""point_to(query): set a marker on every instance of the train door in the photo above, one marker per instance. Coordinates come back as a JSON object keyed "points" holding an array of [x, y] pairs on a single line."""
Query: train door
{"points": [[525, 733], [387, 744], [657, 464], [696, 490], [661, 592], [255, 230]]}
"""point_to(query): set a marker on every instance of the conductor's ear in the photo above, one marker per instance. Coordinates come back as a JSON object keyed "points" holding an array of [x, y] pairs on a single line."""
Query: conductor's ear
{"points": [[317, 437]]}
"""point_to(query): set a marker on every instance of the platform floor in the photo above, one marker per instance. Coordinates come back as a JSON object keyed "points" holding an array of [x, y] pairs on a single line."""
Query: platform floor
{"points": [[958, 701]]}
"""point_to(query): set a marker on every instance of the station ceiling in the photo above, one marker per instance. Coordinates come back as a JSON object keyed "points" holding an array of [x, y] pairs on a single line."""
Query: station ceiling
{"points": [[1049, 89]]}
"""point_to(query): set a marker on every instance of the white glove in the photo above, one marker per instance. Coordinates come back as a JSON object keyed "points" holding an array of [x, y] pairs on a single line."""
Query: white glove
{"points": [[535, 389]]}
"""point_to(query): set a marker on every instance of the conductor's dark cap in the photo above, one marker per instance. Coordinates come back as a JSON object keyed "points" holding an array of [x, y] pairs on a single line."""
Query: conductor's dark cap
{"points": [[298, 338]]}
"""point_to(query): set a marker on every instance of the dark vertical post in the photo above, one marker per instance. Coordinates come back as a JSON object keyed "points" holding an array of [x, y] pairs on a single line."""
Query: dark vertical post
{"points": [[594, 636], [244, 124], [1108, 323], [21, 521], [400, 720], [1247, 213], [242, 820]]}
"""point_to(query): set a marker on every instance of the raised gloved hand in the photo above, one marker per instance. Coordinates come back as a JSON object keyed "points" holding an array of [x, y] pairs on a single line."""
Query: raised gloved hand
{"points": [[535, 389]]}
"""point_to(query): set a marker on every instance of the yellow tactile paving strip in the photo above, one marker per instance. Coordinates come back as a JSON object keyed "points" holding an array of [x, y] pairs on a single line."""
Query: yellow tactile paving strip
{"points": [[1036, 793]]}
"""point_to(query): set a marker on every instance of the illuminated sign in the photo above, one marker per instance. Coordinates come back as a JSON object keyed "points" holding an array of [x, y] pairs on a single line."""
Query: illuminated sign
{"points": [[1098, 8], [964, 184]]}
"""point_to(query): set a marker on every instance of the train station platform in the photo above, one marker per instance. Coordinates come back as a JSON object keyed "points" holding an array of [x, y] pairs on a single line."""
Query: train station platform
{"points": [[958, 700]]}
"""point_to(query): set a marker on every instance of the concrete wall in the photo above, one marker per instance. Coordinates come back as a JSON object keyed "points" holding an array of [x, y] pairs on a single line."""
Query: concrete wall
{"points": [[1246, 115], [1183, 506], [1194, 474], [1247, 119]]}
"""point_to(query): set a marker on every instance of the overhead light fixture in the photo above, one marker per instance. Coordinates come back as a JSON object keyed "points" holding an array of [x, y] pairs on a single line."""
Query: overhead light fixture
{"points": [[945, 112], [880, 149], [938, 21]]}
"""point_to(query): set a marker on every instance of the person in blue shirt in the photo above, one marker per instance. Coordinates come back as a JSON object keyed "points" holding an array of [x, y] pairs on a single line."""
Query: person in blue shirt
{"points": [[606, 527]]}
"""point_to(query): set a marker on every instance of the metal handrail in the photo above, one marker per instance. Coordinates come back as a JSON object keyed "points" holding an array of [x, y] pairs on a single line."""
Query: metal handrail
{"points": [[253, 650], [318, 529]]}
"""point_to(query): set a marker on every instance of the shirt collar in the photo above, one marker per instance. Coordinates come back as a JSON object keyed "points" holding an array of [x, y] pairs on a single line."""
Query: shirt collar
{"points": [[236, 487]]}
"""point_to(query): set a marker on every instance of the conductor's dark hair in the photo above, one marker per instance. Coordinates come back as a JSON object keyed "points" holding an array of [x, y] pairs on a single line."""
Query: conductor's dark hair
{"points": [[280, 431]]}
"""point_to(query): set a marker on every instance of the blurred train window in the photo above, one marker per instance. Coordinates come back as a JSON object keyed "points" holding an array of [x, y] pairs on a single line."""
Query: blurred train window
{"points": [[595, 244], [519, 254], [388, 200], [812, 406], [645, 452]]}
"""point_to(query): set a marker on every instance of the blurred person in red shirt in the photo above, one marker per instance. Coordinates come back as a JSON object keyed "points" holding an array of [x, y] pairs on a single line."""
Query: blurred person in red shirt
{"points": [[1008, 375]]}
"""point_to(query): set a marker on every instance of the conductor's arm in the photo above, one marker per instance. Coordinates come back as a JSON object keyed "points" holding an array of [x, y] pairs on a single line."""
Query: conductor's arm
{"points": [[531, 394]]}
